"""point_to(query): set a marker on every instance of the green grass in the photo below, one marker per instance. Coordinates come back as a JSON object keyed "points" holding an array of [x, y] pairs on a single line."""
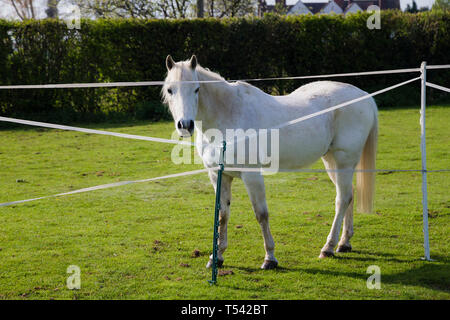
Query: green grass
{"points": [[137, 241]]}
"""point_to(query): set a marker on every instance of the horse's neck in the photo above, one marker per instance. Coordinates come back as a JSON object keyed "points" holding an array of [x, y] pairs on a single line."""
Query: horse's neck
{"points": [[214, 101]]}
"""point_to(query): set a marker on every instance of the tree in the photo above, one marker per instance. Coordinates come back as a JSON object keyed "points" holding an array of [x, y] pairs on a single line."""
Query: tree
{"points": [[174, 8], [237, 8], [200, 9], [25, 9], [230, 8], [280, 9], [441, 5], [413, 8], [52, 8], [136, 8], [117, 8], [166, 8]]}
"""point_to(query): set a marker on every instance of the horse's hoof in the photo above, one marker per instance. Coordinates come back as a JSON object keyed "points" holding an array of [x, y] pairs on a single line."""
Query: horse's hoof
{"points": [[344, 248], [269, 264], [324, 254], [210, 263]]}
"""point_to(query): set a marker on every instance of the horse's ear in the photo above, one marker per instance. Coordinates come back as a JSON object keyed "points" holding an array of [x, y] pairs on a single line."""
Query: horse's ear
{"points": [[169, 62], [193, 61]]}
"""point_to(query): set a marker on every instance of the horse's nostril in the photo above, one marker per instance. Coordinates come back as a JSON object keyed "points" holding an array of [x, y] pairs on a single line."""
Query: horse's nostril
{"points": [[186, 125]]}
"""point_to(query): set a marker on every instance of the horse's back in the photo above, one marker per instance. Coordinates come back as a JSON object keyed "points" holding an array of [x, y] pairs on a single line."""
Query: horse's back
{"points": [[352, 123], [345, 128], [333, 91], [321, 95]]}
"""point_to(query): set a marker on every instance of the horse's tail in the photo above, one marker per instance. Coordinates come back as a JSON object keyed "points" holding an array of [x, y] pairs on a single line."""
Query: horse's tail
{"points": [[365, 180]]}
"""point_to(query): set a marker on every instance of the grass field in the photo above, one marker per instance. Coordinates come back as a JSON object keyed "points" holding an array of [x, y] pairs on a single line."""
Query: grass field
{"points": [[137, 241]]}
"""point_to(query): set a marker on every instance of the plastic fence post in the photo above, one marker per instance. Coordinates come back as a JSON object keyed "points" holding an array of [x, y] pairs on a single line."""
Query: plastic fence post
{"points": [[426, 244]]}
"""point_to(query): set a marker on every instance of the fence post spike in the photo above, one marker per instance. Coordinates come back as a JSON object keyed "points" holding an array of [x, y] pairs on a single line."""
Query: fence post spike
{"points": [[213, 280]]}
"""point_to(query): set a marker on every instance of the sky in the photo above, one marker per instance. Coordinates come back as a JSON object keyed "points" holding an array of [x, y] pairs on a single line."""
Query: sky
{"points": [[6, 11]]}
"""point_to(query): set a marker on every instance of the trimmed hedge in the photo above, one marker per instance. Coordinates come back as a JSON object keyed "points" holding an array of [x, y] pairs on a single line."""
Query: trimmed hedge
{"points": [[45, 51]]}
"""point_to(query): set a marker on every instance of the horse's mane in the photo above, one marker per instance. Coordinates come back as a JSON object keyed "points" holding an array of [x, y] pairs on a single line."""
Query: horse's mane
{"points": [[206, 74]]}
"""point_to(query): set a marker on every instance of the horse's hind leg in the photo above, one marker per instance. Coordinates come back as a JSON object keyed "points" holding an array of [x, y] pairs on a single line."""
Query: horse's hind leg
{"points": [[344, 198], [224, 215], [347, 230], [254, 184]]}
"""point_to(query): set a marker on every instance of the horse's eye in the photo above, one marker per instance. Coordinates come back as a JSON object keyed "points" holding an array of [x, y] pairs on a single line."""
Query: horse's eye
{"points": [[169, 91], [196, 90]]}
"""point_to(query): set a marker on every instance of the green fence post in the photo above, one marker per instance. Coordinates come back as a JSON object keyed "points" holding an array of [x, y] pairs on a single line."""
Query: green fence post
{"points": [[216, 215]]}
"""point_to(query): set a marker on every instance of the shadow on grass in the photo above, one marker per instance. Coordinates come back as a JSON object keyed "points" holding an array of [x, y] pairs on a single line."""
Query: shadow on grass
{"points": [[431, 275]]}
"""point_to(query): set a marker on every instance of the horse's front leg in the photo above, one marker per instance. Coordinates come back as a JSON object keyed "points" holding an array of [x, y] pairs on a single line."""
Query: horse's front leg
{"points": [[224, 215], [254, 184]]}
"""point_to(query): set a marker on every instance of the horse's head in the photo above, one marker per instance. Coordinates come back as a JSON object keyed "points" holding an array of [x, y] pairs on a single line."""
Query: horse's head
{"points": [[182, 96]]}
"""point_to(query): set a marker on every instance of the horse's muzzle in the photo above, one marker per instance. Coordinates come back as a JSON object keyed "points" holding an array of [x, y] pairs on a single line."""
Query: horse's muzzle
{"points": [[185, 127]]}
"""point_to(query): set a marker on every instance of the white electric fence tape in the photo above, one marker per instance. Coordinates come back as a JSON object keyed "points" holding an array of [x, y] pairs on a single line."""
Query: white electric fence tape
{"points": [[262, 170], [432, 85], [188, 173], [153, 139], [160, 83], [109, 185], [153, 83], [315, 114], [439, 66], [107, 133]]}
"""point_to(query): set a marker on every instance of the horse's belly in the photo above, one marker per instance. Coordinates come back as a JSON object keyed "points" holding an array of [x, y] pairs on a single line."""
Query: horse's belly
{"points": [[299, 151]]}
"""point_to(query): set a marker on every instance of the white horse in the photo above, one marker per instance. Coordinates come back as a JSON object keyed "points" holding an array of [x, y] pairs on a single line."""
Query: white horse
{"points": [[344, 138]]}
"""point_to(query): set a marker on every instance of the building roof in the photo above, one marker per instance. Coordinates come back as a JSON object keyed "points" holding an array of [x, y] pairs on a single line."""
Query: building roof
{"points": [[317, 7], [363, 4], [383, 4], [299, 8], [332, 6], [352, 7]]}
